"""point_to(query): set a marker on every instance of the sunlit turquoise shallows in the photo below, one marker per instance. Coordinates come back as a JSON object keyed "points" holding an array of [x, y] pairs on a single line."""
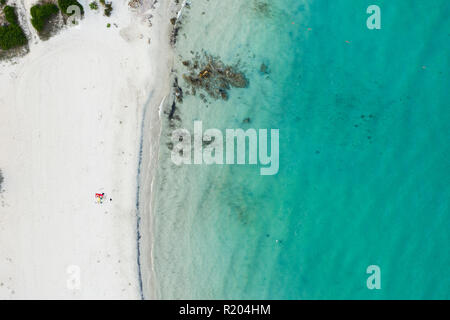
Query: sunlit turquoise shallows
{"points": [[364, 178]]}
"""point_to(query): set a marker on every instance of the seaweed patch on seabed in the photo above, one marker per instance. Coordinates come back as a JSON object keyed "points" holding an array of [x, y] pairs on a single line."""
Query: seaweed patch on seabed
{"points": [[262, 8], [211, 75]]}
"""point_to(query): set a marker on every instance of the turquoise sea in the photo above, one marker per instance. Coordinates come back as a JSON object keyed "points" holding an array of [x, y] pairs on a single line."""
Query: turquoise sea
{"points": [[364, 177]]}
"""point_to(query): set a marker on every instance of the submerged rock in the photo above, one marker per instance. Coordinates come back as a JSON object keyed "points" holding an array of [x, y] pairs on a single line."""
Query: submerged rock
{"points": [[173, 108], [214, 76], [173, 37], [264, 69], [178, 91]]}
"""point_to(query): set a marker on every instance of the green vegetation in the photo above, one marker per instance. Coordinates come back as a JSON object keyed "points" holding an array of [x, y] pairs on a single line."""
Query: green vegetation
{"points": [[12, 35], [108, 25], [10, 14], [93, 5], [108, 9], [41, 14], [2, 2], [65, 4]]}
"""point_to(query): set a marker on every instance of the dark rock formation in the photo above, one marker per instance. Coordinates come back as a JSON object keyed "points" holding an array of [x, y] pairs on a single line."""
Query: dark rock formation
{"points": [[213, 76]]}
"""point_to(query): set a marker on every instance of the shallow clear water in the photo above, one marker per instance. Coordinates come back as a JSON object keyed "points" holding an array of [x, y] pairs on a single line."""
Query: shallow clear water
{"points": [[364, 155]]}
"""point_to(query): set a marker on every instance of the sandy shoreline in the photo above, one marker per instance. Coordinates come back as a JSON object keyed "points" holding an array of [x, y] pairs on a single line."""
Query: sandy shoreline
{"points": [[71, 125]]}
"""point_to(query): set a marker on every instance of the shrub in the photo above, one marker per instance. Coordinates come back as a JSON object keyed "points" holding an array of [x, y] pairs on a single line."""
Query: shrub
{"points": [[108, 9], [10, 14], [2, 2], [41, 14], [12, 36], [65, 4], [93, 5]]}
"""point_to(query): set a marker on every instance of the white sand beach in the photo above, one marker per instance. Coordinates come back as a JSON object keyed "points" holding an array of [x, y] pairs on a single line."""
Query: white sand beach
{"points": [[71, 112]]}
